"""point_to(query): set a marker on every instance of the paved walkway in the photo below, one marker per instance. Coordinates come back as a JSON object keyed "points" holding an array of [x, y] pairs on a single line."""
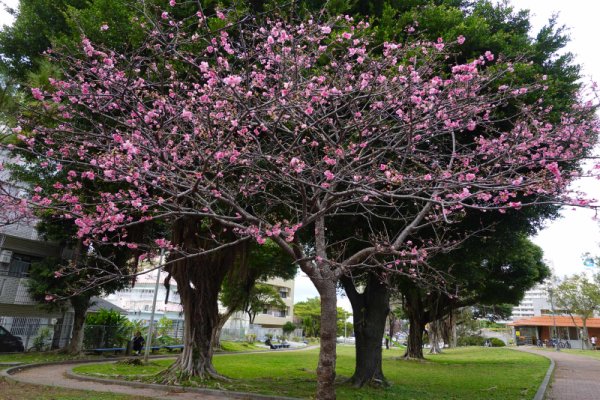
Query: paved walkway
{"points": [[55, 375], [575, 376]]}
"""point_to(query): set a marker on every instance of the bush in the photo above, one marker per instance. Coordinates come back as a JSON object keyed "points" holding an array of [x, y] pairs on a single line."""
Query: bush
{"points": [[40, 343], [497, 342], [106, 328], [472, 340], [251, 338], [288, 328]]}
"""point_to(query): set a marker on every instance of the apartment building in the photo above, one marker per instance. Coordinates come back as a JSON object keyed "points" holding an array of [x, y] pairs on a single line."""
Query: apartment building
{"points": [[535, 303], [20, 246], [137, 301]]}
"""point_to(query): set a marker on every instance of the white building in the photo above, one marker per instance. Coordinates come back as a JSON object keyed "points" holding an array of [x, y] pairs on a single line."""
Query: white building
{"points": [[535, 303], [137, 301]]}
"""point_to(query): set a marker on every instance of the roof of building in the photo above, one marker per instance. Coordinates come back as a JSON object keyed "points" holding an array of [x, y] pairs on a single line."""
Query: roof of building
{"points": [[99, 303], [559, 320]]}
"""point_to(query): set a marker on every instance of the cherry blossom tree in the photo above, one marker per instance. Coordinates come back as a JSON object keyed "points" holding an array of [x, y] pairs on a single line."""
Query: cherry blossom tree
{"points": [[273, 129]]}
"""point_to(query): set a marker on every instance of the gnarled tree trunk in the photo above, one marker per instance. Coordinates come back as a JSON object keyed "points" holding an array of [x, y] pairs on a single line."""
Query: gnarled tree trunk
{"points": [[199, 281], [435, 336], [80, 306], [414, 310], [370, 310]]}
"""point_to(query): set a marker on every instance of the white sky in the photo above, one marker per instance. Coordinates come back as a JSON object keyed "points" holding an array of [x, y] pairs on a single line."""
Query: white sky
{"points": [[566, 239]]}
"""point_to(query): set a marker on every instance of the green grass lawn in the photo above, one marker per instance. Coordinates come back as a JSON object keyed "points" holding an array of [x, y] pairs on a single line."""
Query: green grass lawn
{"points": [[39, 357], [465, 373]]}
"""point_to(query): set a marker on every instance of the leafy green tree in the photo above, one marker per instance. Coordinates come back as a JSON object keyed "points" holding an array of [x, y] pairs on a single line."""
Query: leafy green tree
{"points": [[262, 297], [308, 312], [579, 296]]}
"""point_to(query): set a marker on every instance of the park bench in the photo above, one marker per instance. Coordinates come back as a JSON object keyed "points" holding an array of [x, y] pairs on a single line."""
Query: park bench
{"points": [[106, 350], [174, 347], [281, 346]]}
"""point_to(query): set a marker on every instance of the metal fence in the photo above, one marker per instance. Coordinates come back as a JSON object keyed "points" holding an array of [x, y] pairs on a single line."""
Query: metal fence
{"points": [[37, 336]]}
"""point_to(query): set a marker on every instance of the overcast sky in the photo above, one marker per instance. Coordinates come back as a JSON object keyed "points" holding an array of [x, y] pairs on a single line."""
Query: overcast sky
{"points": [[564, 240]]}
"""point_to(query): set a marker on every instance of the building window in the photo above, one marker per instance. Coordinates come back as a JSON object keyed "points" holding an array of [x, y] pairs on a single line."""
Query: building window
{"points": [[20, 263], [283, 293]]}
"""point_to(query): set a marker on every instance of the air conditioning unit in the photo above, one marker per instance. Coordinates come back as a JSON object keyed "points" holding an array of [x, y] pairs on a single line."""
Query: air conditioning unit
{"points": [[5, 256]]}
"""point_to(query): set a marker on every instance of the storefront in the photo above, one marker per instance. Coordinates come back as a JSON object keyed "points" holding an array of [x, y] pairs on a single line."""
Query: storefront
{"points": [[528, 331]]}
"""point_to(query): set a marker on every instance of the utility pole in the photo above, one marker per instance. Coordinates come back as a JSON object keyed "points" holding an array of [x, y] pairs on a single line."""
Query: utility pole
{"points": [[345, 318], [151, 326], [551, 293]]}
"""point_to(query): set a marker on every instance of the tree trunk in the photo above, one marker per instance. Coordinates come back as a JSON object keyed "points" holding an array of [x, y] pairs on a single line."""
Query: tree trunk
{"points": [[80, 307], [414, 311], [392, 321], [201, 313], [199, 281], [434, 336], [328, 334], [370, 310]]}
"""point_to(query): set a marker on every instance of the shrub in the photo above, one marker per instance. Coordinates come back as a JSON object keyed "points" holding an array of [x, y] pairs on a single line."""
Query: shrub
{"points": [[471, 340], [41, 340], [288, 328], [497, 342], [251, 338]]}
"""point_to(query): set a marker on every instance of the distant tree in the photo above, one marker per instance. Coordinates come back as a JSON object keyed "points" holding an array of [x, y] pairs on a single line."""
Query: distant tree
{"points": [[262, 297], [579, 296], [309, 314]]}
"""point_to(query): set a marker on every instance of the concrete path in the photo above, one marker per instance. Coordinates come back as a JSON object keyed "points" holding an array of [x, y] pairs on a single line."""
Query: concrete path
{"points": [[55, 375], [58, 375], [576, 377]]}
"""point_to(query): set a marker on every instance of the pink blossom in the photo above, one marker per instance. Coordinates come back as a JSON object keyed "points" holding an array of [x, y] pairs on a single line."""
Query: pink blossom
{"points": [[489, 56], [164, 15], [187, 115], [326, 30], [104, 27], [172, 3], [49, 297], [232, 80], [37, 94], [328, 175], [460, 39]]}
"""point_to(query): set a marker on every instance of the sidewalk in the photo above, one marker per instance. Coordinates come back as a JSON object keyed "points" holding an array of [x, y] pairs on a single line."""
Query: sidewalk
{"points": [[575, 376]]}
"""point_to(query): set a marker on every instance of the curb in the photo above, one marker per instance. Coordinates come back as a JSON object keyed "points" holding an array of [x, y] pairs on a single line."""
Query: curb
{"points": [[7, 373], [541, 392], [167, 388]]}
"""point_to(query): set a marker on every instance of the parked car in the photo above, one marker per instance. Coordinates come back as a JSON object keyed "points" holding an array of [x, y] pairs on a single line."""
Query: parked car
{"points": [[10, 343]]}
